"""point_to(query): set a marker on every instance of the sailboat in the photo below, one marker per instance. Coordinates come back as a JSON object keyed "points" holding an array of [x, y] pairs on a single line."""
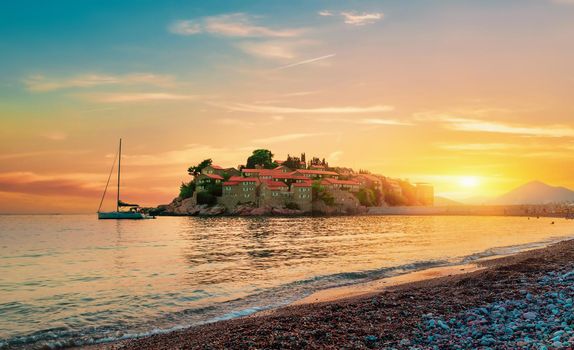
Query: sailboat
{"points": [[134, 211]]}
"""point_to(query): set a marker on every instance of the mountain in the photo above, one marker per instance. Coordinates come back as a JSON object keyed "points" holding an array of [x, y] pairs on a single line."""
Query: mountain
{"points": [[444, 202], [535, 192]]}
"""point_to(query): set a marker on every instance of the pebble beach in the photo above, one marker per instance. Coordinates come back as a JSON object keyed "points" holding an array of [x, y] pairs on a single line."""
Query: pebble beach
{"points": [[523, 301]]}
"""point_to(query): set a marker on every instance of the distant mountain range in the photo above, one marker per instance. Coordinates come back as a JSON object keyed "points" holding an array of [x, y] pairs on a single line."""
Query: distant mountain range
{"points": [[535, 192], [444, 202]]}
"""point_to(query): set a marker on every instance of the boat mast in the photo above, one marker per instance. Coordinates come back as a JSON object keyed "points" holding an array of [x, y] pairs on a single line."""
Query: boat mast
{"points": [[119, 171]]}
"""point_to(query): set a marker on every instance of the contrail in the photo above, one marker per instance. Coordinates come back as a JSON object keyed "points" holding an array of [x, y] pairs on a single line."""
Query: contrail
{"points": [[306, 61]]}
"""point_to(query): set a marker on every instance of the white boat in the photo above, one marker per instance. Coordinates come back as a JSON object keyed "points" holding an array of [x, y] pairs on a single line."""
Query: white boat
{"points": [[134, 211], [123, 215]]}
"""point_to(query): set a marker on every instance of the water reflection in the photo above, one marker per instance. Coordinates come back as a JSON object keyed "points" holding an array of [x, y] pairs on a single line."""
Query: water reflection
{"points": [[92, 279]]}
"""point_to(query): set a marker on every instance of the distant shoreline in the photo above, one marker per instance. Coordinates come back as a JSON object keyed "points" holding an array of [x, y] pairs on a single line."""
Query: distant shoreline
{"points": [[454, 210]]}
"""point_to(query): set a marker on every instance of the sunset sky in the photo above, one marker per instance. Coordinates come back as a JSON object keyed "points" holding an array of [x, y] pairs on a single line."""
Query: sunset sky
{"points": [[476, 97]]}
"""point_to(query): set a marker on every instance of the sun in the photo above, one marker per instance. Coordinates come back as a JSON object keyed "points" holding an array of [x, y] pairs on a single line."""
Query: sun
{"points": [[469, 181]]}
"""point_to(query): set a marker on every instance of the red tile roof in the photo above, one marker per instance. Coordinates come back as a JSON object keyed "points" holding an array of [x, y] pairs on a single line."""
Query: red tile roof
{"points": [[303, 184], [230, 183], [275, 184], [340, 182], [216, 167], [251, 170], [244, 179], [214, 176], [316, 172], [281, 175]]}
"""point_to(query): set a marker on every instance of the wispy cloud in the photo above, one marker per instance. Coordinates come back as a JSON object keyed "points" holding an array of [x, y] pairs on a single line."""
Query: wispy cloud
{"points": [[232, 25], [55, 135], [355, 18], [317, 110], [335, 156], [41, 154], [381, 121], [479, 125], [284, 138], [325, 13], [300, 93], [360, 19], [138, 97], [245, 123], [28, 182], [187, 154], [476, 146], [268, 49], [40, 83], [367, 121], [316, 59], [101, 109]]}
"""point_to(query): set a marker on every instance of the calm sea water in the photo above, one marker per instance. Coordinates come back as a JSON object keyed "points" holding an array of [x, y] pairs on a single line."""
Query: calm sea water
{"points": [[68, 280]]}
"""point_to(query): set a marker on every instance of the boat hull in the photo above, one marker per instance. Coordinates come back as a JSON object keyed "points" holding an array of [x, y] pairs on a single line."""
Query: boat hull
{"points": [[118, 215]]}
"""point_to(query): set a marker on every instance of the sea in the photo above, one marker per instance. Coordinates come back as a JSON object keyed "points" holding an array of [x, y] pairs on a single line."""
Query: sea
{"points": [[72, 280]]}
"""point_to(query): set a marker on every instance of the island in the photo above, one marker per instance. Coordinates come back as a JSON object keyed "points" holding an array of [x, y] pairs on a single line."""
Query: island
{"points": [[294, 186]]}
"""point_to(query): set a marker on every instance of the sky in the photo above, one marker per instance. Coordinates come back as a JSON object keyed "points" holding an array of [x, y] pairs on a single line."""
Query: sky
{"points": [[472, 96]]}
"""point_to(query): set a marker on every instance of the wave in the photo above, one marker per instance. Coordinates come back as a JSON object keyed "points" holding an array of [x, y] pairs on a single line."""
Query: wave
{"points": [[62, 337]]}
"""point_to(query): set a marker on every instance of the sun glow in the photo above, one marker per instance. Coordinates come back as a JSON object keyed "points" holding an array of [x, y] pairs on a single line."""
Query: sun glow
{"points": [[469, 181]]}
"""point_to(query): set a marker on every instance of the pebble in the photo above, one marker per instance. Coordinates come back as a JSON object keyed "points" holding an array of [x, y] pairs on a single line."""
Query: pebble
{"points": [[537, 320]]}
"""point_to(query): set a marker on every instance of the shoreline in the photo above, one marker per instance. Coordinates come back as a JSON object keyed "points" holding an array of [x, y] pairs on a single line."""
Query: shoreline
{"points": [[338, 314]]}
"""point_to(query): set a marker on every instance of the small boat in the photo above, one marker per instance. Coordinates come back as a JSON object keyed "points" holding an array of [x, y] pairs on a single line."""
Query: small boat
{"points": [[134, 212]]}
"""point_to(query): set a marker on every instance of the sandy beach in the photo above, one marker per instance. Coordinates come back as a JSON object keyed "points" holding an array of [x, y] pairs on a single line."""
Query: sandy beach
{"points": [[523, 300]]}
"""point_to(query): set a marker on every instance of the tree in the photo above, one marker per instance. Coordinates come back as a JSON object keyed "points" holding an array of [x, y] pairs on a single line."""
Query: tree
{"points": [[186, 190], [196, 170], [379, 197], [366, 197], [292, 206], [293, 162], [205, 197], [394, 199], [261, 157], [215, 189], [321, 193]]}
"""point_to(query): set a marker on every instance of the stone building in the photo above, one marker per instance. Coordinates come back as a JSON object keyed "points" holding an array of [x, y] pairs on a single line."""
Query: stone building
{"points": [[302, 195], [424, 194], [240, 190], [343, 185], [274, 194]]}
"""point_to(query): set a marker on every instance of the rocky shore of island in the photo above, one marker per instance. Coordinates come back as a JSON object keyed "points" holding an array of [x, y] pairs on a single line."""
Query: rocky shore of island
{"points": [[189, 207]]}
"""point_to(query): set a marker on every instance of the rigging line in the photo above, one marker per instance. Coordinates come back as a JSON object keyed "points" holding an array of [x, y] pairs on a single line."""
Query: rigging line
{"points": [[107, 183]]}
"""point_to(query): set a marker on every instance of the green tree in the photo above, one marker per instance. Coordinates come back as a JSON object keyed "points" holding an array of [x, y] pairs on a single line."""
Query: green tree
{"points": [[379, 197], [204, 197], [262, 157], [216, 189], [366, 197], [321, 193], [394, 199], [186, 189], [292, 206], [196, 170]]}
